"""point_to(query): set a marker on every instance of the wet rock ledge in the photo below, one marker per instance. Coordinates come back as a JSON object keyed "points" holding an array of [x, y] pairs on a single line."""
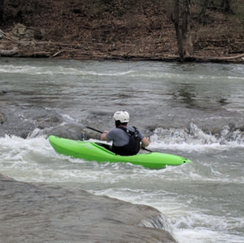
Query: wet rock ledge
{"points": [[44, 213]]}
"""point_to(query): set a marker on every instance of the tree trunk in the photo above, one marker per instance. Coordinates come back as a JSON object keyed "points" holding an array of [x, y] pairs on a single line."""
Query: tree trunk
{"points": [[1, 10], [226, 6], [203, 11], [181, 19]]}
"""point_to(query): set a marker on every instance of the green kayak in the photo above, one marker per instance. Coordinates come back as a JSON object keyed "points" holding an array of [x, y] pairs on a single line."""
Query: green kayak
{"points": [[93, 151]]}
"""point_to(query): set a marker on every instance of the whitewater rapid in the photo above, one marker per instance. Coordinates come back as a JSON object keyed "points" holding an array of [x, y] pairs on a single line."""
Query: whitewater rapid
{"points": [[192, 110]]}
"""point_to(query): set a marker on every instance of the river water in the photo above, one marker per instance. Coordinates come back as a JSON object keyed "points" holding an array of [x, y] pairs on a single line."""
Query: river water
{"points": [[193, 110]]}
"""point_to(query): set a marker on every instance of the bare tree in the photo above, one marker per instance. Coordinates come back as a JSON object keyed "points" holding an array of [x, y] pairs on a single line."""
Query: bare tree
{"points": [[181, 18], [203, 11], [226, 6], [1, 10]]}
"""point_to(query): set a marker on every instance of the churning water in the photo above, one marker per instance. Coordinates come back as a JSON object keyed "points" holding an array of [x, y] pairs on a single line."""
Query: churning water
{"points": [[193, 110]]}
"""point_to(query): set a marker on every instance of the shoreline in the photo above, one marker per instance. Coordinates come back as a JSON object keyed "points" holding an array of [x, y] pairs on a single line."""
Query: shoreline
{"points": [[100, 51], [136, 31]]}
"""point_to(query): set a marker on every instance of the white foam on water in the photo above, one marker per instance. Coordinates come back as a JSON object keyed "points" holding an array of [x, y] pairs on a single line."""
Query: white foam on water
{"points": [[206, 228], [195, 139], [34, 160], [64, 70], [185, 194], [57, 70]]}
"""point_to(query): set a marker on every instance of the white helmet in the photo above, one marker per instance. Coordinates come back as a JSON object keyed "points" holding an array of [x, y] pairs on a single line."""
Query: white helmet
{"points": [[122, 116]]}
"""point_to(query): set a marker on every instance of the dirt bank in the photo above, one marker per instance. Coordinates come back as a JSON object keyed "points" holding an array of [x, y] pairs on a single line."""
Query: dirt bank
{"points": [[113, 29]]}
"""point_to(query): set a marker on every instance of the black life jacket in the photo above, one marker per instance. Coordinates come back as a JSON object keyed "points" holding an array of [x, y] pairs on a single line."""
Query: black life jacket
{"points": [[133, 147]]}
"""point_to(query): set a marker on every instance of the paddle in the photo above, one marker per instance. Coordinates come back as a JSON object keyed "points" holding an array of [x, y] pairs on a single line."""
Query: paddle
{"points": [[147, 149], [94, 129], [91, 128]]}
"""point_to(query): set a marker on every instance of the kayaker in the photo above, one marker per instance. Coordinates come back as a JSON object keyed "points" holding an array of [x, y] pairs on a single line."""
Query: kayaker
{"points": [[127, 140]]}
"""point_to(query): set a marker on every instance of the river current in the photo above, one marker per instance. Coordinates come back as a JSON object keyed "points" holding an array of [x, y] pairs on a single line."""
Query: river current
{"points": [[194, 110]]}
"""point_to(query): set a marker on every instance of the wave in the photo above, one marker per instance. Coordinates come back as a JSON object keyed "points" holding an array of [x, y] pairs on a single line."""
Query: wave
{"points": [[203, 226], [191, 137], [56, 70], [195, 135], [149, 74]]}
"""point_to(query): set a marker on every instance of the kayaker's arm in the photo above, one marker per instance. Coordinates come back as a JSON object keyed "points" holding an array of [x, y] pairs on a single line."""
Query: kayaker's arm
{"points": [[103, 136], [145, 142]]}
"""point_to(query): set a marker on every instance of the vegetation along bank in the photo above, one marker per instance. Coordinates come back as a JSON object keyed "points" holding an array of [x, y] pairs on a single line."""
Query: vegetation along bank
{"points": [[184, 30]]}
